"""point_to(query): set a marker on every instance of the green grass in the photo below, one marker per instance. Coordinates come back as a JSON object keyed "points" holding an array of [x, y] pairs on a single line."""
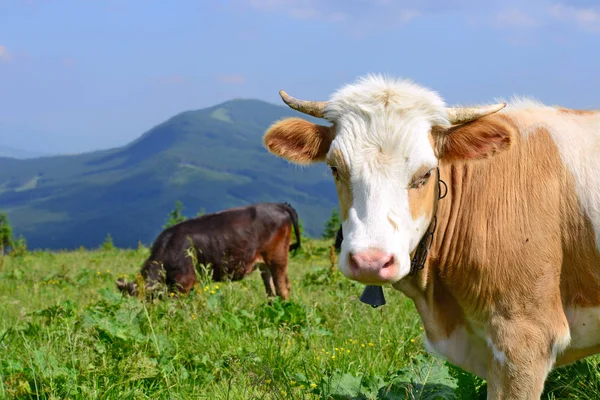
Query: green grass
{"points": [[65, 332]]}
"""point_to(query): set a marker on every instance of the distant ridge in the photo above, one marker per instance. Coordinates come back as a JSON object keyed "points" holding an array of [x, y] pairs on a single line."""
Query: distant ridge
{"points": [[211, 158]]}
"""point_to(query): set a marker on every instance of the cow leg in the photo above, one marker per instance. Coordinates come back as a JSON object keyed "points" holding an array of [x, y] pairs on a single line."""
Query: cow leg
{"points": [[267, 277], [277, 263], [182, 277], [522, 353]]}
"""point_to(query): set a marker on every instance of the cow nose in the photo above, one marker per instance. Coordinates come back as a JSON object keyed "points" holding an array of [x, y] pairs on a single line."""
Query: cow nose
{"points": [[371, 260]]}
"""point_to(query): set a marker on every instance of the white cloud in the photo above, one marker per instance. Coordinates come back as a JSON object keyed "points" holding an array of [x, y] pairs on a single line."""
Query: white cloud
{"points": [[4, 54], [516, 18], [586, 18], [362, 17], [231, 79]]}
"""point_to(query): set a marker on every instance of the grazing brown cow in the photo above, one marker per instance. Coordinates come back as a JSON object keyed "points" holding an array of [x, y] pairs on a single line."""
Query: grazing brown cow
{"points": [[509, 286], [234, 242]]}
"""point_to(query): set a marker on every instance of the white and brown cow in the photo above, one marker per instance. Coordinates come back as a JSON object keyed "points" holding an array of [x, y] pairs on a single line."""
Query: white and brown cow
{"points": [[511, 285]]}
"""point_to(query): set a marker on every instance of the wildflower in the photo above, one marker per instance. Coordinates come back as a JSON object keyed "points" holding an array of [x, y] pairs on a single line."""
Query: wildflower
{"points": [[333, 357], [412, 340], [362, 345], [371, 344], [327, 352], [108, 271], [342, 349], [421, 328], [336, 349], [217, 286], [283, 392], [212, 292], [313, 385], [172, 294], [99, 272], [267, 381], [292, 383], [347, 351]]}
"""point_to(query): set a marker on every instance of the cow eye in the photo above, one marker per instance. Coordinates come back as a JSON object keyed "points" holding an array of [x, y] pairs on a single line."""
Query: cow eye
{"points": [[334, 171], [417, 184]]}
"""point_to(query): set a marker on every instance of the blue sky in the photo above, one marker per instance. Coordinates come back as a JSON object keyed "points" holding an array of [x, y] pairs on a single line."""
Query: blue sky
{"points": [[98, 73]]}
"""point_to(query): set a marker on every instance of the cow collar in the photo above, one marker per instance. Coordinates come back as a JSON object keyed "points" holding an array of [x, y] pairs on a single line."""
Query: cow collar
{"points": [[373, 295]]}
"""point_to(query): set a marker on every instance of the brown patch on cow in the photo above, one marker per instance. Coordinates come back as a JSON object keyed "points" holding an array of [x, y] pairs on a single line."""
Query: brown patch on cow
{"points": [[500, 210], [342, 181], [421, 200], [479, 139], [576, 112], [571, 355], [580, 281], [298, 140], [445, 309]]}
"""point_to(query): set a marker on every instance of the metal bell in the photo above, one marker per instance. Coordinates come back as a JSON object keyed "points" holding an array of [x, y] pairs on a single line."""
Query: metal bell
{"points": [[373, 296]]}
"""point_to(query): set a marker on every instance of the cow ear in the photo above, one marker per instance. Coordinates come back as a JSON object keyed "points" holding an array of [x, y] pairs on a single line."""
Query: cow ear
{"points": [[298, 140], [482, 138]]}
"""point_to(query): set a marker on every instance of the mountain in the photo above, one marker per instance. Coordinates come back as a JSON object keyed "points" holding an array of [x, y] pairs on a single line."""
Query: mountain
{"points": [[211, 158], [7, 151]]}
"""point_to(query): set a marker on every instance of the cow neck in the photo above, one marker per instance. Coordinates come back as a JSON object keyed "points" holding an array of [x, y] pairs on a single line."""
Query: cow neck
{"points": [[417, 263]]}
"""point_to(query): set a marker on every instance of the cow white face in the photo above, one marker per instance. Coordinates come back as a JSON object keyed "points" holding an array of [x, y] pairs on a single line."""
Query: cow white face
{"points": [[381, 152]]}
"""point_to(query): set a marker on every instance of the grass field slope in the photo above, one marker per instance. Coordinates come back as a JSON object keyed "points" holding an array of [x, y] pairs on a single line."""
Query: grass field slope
{"points": [[211, 158], [65, 333]]}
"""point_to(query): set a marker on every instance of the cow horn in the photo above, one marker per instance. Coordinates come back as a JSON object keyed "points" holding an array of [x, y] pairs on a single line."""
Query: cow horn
{"points": [[314, 108], [461, 115]]}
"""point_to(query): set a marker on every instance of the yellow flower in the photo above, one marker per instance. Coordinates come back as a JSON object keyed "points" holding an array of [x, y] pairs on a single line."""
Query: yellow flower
{"points": [[336, 349], [412, 340], [217, 286], [371, 344], [347, 351], [283, 392], [267, 381], [362, 345], [212, 292], [313, 385], [327, 352], [292, 383]]}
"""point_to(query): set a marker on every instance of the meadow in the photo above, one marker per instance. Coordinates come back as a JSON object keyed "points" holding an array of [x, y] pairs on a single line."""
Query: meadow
{"points": [[66, 333]]}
